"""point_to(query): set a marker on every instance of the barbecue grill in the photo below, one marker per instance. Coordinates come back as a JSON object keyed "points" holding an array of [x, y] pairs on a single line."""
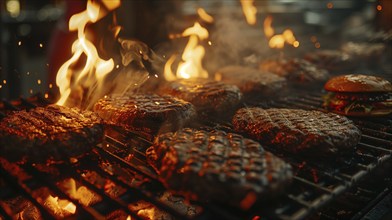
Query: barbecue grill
{"points": [[320, 190]]}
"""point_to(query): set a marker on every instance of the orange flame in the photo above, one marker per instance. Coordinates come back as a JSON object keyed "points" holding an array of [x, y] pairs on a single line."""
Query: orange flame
{"points": [[95, 67], [204, 15], [249, 10], [191, 64], [278, 40]]}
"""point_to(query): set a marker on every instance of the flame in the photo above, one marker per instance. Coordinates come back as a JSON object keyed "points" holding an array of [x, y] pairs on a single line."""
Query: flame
{"points": [[95, 67], [204, 15], [249, 10], [268, 30], [191, 64], [278, 40]]}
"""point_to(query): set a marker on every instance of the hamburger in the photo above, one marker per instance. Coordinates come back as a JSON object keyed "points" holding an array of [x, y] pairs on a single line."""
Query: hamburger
{"points": [[359, 95]]}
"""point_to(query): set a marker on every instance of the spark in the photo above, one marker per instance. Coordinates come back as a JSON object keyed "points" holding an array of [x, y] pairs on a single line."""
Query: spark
{"points": [[46, 95], [39, 82], [1, 86], [379, 8], [31, 91], [157, 103], [41, 45], [209, 43], [28, 73], [156, 76], [50, 85], [19, 43], [117, 66], [4, 81], [296, 44]]}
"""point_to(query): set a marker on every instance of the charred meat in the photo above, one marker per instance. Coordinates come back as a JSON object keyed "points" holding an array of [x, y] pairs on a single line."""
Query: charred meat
{"points": [[298, 131], [218, 165], [145, 112], [52, 132]]}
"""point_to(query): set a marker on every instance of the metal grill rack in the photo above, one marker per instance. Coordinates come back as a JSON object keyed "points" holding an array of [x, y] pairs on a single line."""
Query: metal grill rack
{"points": [[314, 185]]}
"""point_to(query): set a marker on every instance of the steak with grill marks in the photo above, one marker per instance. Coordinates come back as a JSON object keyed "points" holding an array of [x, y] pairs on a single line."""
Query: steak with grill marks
{"points": [[149, 113], [208, 96], [296, 130], [52, 132], [218, 165]]}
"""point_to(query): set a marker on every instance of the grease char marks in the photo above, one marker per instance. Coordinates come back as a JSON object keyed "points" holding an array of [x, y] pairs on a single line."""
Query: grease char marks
{"points": [[298, 131], [208, 164], [52, 132]]}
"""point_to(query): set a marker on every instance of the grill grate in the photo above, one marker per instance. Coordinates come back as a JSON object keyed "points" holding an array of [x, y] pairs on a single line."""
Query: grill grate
{"points": [[314, 185]]}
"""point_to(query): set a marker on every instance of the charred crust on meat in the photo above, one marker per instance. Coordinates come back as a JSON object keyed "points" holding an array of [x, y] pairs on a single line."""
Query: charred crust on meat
{"points": [[209, 164], [298, 131], [149, 113], [52, 132], [208, 96]]}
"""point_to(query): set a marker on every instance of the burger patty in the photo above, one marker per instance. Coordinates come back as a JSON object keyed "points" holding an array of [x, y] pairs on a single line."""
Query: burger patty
{"points": [[206, 95], [335, 61], [298, 131], [145, 112], [296, 70], [209, 164], [52, 132], [251, 82]]}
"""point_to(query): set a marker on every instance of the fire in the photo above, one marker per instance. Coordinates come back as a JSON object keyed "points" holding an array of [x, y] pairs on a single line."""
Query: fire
{"points": [[191, 64], [95, 68], [278, 40], [204, 15], [249, 10]]}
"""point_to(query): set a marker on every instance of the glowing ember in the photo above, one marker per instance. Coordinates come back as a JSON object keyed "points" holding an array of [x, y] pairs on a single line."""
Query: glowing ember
{"points": [[60, 207], [204, 15], [191, 64], [249, 10], [129, 217], [95, 68], [278, 40]]}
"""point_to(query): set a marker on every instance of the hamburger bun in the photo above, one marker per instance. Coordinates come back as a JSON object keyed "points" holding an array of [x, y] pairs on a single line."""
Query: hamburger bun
{"points": [[358, 83]]}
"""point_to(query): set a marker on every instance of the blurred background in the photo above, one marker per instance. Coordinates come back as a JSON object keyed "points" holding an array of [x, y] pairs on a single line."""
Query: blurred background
{"points": [[34, 40]]}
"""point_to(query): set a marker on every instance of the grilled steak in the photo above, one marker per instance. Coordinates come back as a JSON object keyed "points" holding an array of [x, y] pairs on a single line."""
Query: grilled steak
{"points": [[252, 82], [145, 112], [209, 97], [52, 132], [335, 61], [217, 165], [297, 71], [298, 131]]}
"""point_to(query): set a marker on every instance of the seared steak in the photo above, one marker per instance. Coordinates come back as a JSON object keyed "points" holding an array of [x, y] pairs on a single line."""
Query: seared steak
{"points": [[253, 83], [52, 132], [209, 97], [296, 130], [145, 112], [217, 165]]}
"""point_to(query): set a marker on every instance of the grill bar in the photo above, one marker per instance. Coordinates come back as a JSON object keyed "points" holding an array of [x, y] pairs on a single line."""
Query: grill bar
{"points": [[314, 185]]}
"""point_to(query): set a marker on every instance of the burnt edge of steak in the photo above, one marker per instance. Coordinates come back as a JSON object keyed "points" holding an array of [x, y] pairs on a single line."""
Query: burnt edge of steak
{"points": [[298, 131], [215, 165], [53, 132]]}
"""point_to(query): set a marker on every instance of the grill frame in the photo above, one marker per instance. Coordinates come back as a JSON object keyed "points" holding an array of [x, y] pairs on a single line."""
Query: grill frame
{"points": [[374, 130]]}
